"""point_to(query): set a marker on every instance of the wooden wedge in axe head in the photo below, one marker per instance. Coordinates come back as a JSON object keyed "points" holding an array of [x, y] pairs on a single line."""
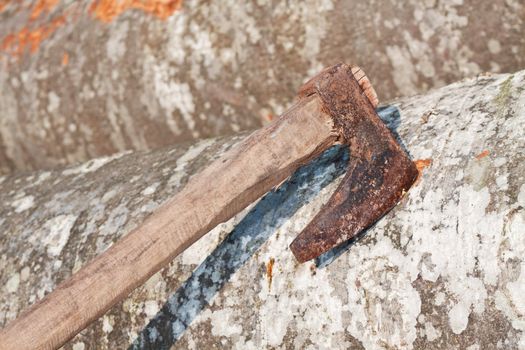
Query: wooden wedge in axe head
{"points": [[336, 106]]}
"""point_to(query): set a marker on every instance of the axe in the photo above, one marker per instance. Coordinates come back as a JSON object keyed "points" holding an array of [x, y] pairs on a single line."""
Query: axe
{"points": [[335, 107]]}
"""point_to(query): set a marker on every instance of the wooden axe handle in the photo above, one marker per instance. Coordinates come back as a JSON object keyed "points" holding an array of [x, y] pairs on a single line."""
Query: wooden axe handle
{"points": [[263, 160]]}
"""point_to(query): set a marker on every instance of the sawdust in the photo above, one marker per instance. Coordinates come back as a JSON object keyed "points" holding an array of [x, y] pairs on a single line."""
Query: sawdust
{"points": [[269, 272], [420, 165], [483, 154]]}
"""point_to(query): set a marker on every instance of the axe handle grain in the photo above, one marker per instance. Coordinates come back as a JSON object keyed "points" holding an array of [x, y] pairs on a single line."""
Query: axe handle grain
{"points": [[263, 160]]}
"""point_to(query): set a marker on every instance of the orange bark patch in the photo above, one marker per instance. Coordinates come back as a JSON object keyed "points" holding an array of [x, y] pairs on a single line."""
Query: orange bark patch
{"points": [[269, 272], [17, 43], [42, 6], [483, 154], [65, 59], [30, 37], [4, 3], [108, 10], [420, 165]]}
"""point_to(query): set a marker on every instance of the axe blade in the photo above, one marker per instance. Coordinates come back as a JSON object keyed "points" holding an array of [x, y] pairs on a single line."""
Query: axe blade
{"points": [[379, 171]]}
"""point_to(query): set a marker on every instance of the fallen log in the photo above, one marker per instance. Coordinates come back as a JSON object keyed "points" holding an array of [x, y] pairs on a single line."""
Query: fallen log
{"points": [[444, 269]]}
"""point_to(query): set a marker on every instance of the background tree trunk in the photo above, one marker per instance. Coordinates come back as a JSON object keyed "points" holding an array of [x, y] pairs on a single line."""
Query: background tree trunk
{"points": [[88, 78], [444, 269]]}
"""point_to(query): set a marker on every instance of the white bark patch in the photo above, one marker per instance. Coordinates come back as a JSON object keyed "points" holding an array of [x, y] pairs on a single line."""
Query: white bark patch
{"points": [[223, 324], [517, 291], [12, 283], [494, 46], [116, 219], [198, 251], [93, 164], [193, 152], [108, 195], [458, 317], [22, 204], [510, 299], [79, 346], [107, 324], [24, 274], [151, 307], [316, 302], [150, 189], [55, 232], [404, 74], [116, 47], [521, 195], [383, 305], [42, 177], [431, 332], [443, 245], [440, 298], [315, 29], [173, 96], [54, 102]]}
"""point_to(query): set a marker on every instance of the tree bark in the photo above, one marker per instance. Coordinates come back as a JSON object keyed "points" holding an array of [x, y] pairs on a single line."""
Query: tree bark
{"points": [[90, 78], [444, 269]]}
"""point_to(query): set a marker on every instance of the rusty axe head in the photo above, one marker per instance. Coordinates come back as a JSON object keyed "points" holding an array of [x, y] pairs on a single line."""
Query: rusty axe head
{"points": [[379, 171]]}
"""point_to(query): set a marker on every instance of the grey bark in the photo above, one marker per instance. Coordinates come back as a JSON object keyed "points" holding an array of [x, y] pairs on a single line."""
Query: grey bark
{"points": [[444, 269], [214, 68]]}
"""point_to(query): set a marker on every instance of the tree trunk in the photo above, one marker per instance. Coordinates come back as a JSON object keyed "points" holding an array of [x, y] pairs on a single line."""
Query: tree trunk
{"points": [[88, 78], [444, 269]]}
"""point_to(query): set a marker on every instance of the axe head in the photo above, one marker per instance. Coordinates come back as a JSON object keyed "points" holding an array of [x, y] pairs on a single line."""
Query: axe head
{"points": [[379, 171]]}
